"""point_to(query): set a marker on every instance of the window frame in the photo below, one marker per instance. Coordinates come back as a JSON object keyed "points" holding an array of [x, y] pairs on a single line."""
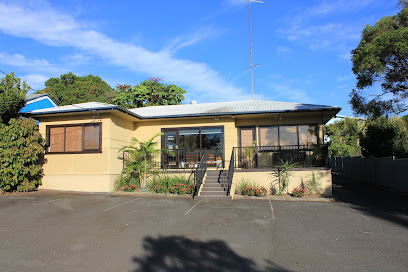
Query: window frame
{"points": [[297, 132], [83, 125]]}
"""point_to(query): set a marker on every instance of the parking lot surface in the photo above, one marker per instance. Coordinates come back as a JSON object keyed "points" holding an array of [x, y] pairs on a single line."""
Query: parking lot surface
{"points": [[55, 231]]}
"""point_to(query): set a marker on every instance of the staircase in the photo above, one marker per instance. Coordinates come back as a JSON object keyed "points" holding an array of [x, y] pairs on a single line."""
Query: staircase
{"points": [[215, 185]]}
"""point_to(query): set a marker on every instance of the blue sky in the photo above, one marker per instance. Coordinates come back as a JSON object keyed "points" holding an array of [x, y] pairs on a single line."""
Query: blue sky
{"points": [[302, 48]]}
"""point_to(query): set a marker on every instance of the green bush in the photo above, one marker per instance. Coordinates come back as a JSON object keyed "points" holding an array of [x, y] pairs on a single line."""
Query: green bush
{"points": [[126, 180], [171, 184], [21, 155], [248, 188]]}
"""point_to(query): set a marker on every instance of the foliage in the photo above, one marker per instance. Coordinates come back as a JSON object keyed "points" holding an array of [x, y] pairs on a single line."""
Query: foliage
{"points": [[313, 185], [344, 137], [125, 180], [171, 184], [248, 154], [385, 137], [148, 93], [12, 97], [130, 188], [381, 56], [182, 189], [72, 89], [283, 174], [244, 183], [254, 191], [299, 192], [141, 158], [21, 155]]}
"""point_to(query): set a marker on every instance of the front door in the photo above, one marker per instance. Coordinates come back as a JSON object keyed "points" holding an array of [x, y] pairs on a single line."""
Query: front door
{"points": [[170, 146]]}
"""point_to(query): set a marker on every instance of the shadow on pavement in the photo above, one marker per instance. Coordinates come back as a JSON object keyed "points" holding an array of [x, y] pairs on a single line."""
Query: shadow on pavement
{"points": [[177, 253], [372, 201]]}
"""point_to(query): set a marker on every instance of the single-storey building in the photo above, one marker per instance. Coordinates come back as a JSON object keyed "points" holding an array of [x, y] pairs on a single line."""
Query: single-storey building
{"points": [[249, 137]]}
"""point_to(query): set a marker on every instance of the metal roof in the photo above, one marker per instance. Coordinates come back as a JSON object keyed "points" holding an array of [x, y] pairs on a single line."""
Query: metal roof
{"points": [[34, 96], [191, 110], [226, 108]]}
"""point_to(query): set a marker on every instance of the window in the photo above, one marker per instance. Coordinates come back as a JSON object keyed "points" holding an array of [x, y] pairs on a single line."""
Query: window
{"points": [[302, 135], [79, 138]]}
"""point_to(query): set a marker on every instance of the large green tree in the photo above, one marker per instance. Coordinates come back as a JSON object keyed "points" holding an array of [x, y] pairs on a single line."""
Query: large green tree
{"points": [[72, 89], [382, 57], [12, 97], [148, 93], [385, 137], [344, 137]]}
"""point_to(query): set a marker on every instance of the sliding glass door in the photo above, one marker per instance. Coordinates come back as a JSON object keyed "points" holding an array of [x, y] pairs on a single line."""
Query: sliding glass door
{"points": [[187, 145]]}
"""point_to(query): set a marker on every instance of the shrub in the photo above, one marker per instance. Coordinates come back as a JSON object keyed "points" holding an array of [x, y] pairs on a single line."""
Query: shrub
{"points": [[299, 192], [254, 191], [243, 184], [130, 187], [171, 184], [21, 155], [313, 185], [182, 189]]}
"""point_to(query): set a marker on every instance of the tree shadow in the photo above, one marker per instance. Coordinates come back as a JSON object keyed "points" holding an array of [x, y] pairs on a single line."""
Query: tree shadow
{"points": [[372, 201], [177, 253]]}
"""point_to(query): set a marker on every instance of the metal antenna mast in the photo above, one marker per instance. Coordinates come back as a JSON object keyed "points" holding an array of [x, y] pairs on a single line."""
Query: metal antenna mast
{"points": [[250, 45]]}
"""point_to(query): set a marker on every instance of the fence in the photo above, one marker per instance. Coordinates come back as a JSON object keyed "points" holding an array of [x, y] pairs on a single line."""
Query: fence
{"points": [[388, 172]]}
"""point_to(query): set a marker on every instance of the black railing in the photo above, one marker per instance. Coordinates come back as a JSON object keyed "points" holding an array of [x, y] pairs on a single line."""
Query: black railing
{"points": [[231, 169], [255, 157], [200, 173], [188, 160]]}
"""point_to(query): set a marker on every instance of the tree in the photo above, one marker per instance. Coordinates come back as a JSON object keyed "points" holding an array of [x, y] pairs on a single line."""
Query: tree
{"points": [[149, 93], [12, 97], [72, 89], [21, 155], [382, 56], [385, 137], [141, 158], [344, 137]]}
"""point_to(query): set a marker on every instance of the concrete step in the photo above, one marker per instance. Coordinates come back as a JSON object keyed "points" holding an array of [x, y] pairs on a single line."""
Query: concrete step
{"points": [[206, 189], [213, 197], [213, 193]]}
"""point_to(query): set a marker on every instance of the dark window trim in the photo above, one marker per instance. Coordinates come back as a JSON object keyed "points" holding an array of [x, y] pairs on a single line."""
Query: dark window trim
{"points": [[297, 130], [163, 130], [99, 150]]}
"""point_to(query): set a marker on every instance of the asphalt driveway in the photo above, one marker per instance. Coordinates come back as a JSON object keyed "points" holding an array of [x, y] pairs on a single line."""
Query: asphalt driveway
{"points": [[53, 231]]}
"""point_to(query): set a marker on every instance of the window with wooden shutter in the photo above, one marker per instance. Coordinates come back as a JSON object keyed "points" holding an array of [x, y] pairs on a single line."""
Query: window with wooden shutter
{"points": [[78, 138]]}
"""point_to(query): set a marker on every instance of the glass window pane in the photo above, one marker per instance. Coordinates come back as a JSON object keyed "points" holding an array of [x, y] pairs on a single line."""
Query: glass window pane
{"points": [[91, 137], [308, 135], [73, 139], [247, 137], [211, 138], [56, 139], [268, 136], [288, 135]]}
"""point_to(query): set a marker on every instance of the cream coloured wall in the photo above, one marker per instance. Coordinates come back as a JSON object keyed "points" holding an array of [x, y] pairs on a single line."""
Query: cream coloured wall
{"points": [[90, 172]]}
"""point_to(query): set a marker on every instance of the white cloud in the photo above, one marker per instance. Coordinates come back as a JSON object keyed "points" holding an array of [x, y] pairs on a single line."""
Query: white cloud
{"points": [[35, 81], [189, 40], [26, 64], [56, 29], [283, 91], [237, 2]]}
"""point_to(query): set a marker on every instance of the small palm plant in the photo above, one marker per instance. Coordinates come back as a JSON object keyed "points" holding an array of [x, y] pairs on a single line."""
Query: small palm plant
{"points": [[283, 173], [141, 155]]}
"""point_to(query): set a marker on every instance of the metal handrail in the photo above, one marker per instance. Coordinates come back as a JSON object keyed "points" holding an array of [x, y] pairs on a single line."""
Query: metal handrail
{"points": [[200, 173], [231, 172]]}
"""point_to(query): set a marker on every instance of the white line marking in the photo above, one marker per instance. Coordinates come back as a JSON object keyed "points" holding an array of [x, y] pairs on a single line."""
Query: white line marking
{"points": [[193, 207], [273, 213], [48, 201], [121, 204], [363, 216]]}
